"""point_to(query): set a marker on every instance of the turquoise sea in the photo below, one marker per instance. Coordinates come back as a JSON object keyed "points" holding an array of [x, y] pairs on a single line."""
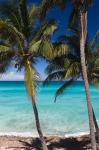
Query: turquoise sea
{"points": [[67, 116]]}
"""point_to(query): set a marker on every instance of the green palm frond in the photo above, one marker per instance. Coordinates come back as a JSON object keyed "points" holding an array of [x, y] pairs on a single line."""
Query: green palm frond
{"points": [[95, 81], [24, 17], [57, 75], [74, 20], [72, 41], [5, 51], [4, 66], [41, 42], [43, 48], [33, 14], [50, 28], [34, 47], [30, 79], [95, 42], [73, 70], [53, 67], [60, 49], [6, 55], [46, 49], [11, 32], [56, 65], [47, 29], [48, 4], [9, 10], [63, 87]]}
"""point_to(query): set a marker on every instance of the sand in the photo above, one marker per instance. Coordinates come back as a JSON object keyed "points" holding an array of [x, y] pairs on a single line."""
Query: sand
{"points": [[53, 142]]}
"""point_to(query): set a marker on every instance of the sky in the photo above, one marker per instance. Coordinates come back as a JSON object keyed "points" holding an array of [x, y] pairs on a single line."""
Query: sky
{"points": [[62, 20]]}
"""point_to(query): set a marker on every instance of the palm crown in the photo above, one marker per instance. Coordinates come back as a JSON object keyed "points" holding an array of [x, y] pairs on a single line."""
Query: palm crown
{"points": [[23, 38], [69, 68]]}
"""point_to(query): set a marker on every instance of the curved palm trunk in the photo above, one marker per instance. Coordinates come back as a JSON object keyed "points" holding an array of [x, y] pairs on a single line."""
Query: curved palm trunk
{"points": [[96, 126], [84, 72], [95, 121], [38, 125]]}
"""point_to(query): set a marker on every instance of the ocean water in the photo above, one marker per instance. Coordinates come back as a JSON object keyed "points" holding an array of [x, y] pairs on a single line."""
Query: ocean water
{"points": [[67, 116]]}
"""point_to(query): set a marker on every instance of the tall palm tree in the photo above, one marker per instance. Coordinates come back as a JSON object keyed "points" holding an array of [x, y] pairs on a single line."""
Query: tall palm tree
{"points": [[81, 7], [70, 68], [23, 38]]}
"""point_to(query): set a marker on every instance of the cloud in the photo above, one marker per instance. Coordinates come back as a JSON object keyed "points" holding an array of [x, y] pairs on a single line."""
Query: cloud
{"points": [[11, 76]]}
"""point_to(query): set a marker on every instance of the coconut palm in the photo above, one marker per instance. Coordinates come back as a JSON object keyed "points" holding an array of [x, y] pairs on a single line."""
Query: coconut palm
{"points": [[69, 68], [80, 7], [23, 38]]}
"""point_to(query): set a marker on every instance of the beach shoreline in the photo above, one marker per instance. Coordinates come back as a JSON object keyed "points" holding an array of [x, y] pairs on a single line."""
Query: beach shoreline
{"points": [[12, 142], [31, 134]]}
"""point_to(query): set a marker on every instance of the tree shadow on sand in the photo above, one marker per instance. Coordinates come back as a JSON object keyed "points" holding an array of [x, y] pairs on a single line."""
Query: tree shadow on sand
{"points": [[59, 143]]}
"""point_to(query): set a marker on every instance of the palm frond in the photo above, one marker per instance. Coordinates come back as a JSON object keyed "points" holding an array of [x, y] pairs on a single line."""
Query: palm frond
{"points": [[47, 29], [52, 67], [63, 87], [95, 42], [41, 42], [24, 17], [57, 75], [46, 49], [48, 4], [6, 55], [33, 14], [95, 81], [12, 32], [34, 47], [74, 20], [60, 49], [73, 70], [9, 10]]}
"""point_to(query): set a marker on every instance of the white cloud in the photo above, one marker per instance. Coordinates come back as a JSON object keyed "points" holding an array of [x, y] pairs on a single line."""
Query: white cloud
{"points": [[11, 76]]}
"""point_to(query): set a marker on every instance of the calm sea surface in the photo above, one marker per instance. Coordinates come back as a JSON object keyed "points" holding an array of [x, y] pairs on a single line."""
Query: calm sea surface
{"points": [[67, 116]]}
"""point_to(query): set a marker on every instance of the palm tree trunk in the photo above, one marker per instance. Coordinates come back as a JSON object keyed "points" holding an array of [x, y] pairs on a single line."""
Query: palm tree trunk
{"points": [[96, 126], [44, 146], [84, 72]]}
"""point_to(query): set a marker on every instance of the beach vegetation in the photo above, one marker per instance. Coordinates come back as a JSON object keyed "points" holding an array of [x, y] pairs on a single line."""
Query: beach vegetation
{"points": [[24, 38], [80, 9]]}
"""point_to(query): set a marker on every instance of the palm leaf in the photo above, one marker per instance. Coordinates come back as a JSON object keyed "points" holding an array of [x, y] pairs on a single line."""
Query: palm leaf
{"points": [[24, 17], [10, 10], [6, 55], [34, 47], [73, 70], [41, 42], [12, 32], [46, 49], [48, 4], [52, 67], [57, 75], [33, 14], [46, 29], [74, 20], [60, 49], [95, 42], [63, 87]]}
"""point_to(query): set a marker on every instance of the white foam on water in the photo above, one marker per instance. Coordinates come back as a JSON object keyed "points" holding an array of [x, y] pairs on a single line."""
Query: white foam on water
{"points": [[23, 134], [30, 134], [76, 134]]}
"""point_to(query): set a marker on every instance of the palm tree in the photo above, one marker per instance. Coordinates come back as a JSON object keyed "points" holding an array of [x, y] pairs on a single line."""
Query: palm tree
{"points": [[70, 68], [23, 38], [81, 7]]}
